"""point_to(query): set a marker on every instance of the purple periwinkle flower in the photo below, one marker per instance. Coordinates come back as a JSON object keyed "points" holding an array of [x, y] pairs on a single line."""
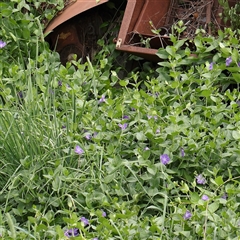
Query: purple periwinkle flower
{"points": [[187, 215], [149, 117], [126, 117], [228, 61], [59, 83], [225, 196], [211, 66], [20, 94], [95, 238], [74, 232], [238, 64], [157, 131], [79, 150], [123, 126], [205, 197], [164, 159], [104, 214], [88, 136], [2, 44], [102, 99], [84, 221], [146, 148], [201, 179], [182, 152]]}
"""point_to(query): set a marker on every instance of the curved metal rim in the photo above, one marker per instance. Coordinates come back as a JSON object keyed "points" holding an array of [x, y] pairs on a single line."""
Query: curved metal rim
{"points": [[72, 10]]}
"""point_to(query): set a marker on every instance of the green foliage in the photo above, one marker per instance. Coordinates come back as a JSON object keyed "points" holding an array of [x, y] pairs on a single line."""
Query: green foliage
{"points": [[187, 107], [231, 13]]}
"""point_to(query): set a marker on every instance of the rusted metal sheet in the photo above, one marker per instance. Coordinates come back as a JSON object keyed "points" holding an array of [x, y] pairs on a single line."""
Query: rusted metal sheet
{"points": [[154, 11], [147, 24], [78, 36], [74, 8], [136, 27]]}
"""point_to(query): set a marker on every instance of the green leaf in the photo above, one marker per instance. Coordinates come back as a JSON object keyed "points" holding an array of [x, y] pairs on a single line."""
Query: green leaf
{"points": [[140, 136], [162, 53], [236, 77], [152, 170], [171, 50], [194, 197], [235, 55], [179, 43], [165, 64], [213, 207], [236, 135], [206, 93], [219, 180]]}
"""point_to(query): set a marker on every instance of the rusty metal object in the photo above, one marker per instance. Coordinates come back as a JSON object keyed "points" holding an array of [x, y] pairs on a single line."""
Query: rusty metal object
{"points": [[137, 27], [147, 24], [75, 35], [74, 8]]}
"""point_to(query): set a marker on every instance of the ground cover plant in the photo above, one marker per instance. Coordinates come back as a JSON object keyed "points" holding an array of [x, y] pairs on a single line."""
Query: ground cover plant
{"points": [[86, 154]]}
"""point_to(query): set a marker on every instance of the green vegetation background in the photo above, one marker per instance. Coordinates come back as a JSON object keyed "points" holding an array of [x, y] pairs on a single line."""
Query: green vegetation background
{"points": [[79, 141]]}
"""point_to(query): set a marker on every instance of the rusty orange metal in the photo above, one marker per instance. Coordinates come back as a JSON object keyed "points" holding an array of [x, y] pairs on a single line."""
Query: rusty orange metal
{"points": [[143, 17], [73, 8], [146, 25], [75, 29], [137, 18]]}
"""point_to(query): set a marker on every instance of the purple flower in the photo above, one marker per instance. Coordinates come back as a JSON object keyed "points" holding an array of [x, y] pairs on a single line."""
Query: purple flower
{"points": [[102, 99], [228, 61], [79, 150], [20, 94], [84, 221], [211, 66], [126, 117], [123, 126], [205, 197], [59, 83], [104, 214], [74, 232], [225, 196], [146, 148], [182, 152], [88, 136], [95, 238], [201, 179], [158, 131], [164, 159], [238, 64], [2, 44], [187, 215], [149, 117]]}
